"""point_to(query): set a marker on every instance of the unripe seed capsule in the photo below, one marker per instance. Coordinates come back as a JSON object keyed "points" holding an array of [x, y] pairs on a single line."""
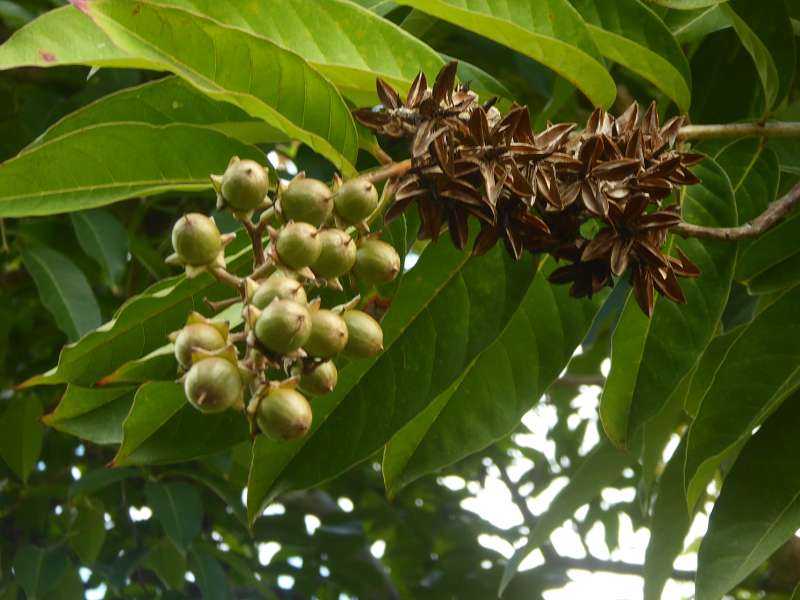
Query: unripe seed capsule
{"points": [[328, 334], [213, 384], [355, 200], [196, 239], [298, 245], [365, 336], [284, 414], [319, 380], [278, 286], [307, 200], [337, 254], [376, 262], [244, 185], [196, 336], [283, 326]]}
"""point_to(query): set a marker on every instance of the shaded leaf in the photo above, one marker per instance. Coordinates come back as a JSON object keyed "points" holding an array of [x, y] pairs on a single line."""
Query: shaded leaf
{"points": [[179, 509], [169, 564], [93, 414], [38, 570], [21, 434], [211, 578], [88, 531], [104, 239]]}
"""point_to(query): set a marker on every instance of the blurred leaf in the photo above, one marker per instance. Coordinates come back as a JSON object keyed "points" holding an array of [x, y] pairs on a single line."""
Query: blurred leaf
{"points": [[650, 357], [38, 570], [63, 289], [88, 531], [766, 32], [759, 369], [211, 578], [598, 469], [687, 4], [302, 103], [500, 385], [448, 310], [64, 36], [93, 414], [102, 164], [550, 32], [162, 427], [104, 239], [169, 564], [179, 509], [21, 434], [96, 480], [629, 33], [224, 490], [689, 26], [757, 509]]}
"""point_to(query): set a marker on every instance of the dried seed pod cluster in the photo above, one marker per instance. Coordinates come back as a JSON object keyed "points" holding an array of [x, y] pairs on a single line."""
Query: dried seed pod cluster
{"points": [[537, 192], [305, 240]]}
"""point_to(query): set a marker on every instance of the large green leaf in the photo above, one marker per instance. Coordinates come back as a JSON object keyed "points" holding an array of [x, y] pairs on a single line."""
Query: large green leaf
{"points": [[162, 427], [21, 434], [63, 288], [88, 531], [104, 239], [101, 164], [94, 414], [38, 570], [550, 32], [179, 508], [264, 79], [497, 388], [688, 26], [766, 32], [650, 357], [758, 508], [770, 256], [598, 469], [759, 369], [162, 102], [448, 310], [754, 172], [703, 375], [629, 33], [688, 4], [347, 43], [64, 36]]}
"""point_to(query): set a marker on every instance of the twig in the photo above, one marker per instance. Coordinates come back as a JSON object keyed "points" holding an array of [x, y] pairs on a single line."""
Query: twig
{"points": [[590, 563], [735, 130], [390, 171], [230, 279], [774, 213], [255, 232]]}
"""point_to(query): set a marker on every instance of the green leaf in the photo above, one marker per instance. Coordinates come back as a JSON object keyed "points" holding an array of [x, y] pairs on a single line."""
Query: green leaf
{"points": [[272, 83], [550, 32], [759, 369], [689, 26], [766, 32], [88, 531], [64, 36], [707, 366], [21, 434], [448, 309], [688, 4], [629, 33], [93, 414], [162, 427], [758, 508], [754, 172], [380, 7], [599, 469], [159, 365], [169, 564], [773, 252], [669, 526], [38, 570], [500, 385], [211, 578], [166, 101], [96, 480], [178, 507], [101, 164], [650, 357], [225, 490], [104, 239], [63, 289]]}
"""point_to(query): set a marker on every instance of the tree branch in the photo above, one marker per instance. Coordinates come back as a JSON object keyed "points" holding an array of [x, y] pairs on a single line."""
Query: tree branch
{"points": [[774, 213], [735, 130], [389, 171], [590, 563]]}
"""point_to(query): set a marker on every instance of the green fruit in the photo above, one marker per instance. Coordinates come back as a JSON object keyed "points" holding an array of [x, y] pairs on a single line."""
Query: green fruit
{"points": [[284, 414], [212, 385], [298, 245], [284, 326], [196, 239], [356, 200], [328, 334], [245, 184], [337, 254], [364, 335], [376, 262], [279, 286], [319, 380], [196, 336], [307, 200]]}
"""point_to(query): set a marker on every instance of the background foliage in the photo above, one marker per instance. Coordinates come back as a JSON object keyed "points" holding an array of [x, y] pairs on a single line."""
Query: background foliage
{"points": [[100, 161]]}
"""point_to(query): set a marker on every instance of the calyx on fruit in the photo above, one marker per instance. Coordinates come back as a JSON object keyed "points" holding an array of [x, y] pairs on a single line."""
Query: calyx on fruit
{"points": [[281, 286], [283, 414], [306, 200], [337, 254], [283, 326], [297, 245], [213, 384], [376, 262], [199, 333], [243, 186], [317, 379], [328, 334], [355, 200], [196, 240], [364, 335]]}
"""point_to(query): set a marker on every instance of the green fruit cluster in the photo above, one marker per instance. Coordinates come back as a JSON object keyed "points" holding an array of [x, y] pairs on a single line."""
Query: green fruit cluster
{"points": [[315, 238]]}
